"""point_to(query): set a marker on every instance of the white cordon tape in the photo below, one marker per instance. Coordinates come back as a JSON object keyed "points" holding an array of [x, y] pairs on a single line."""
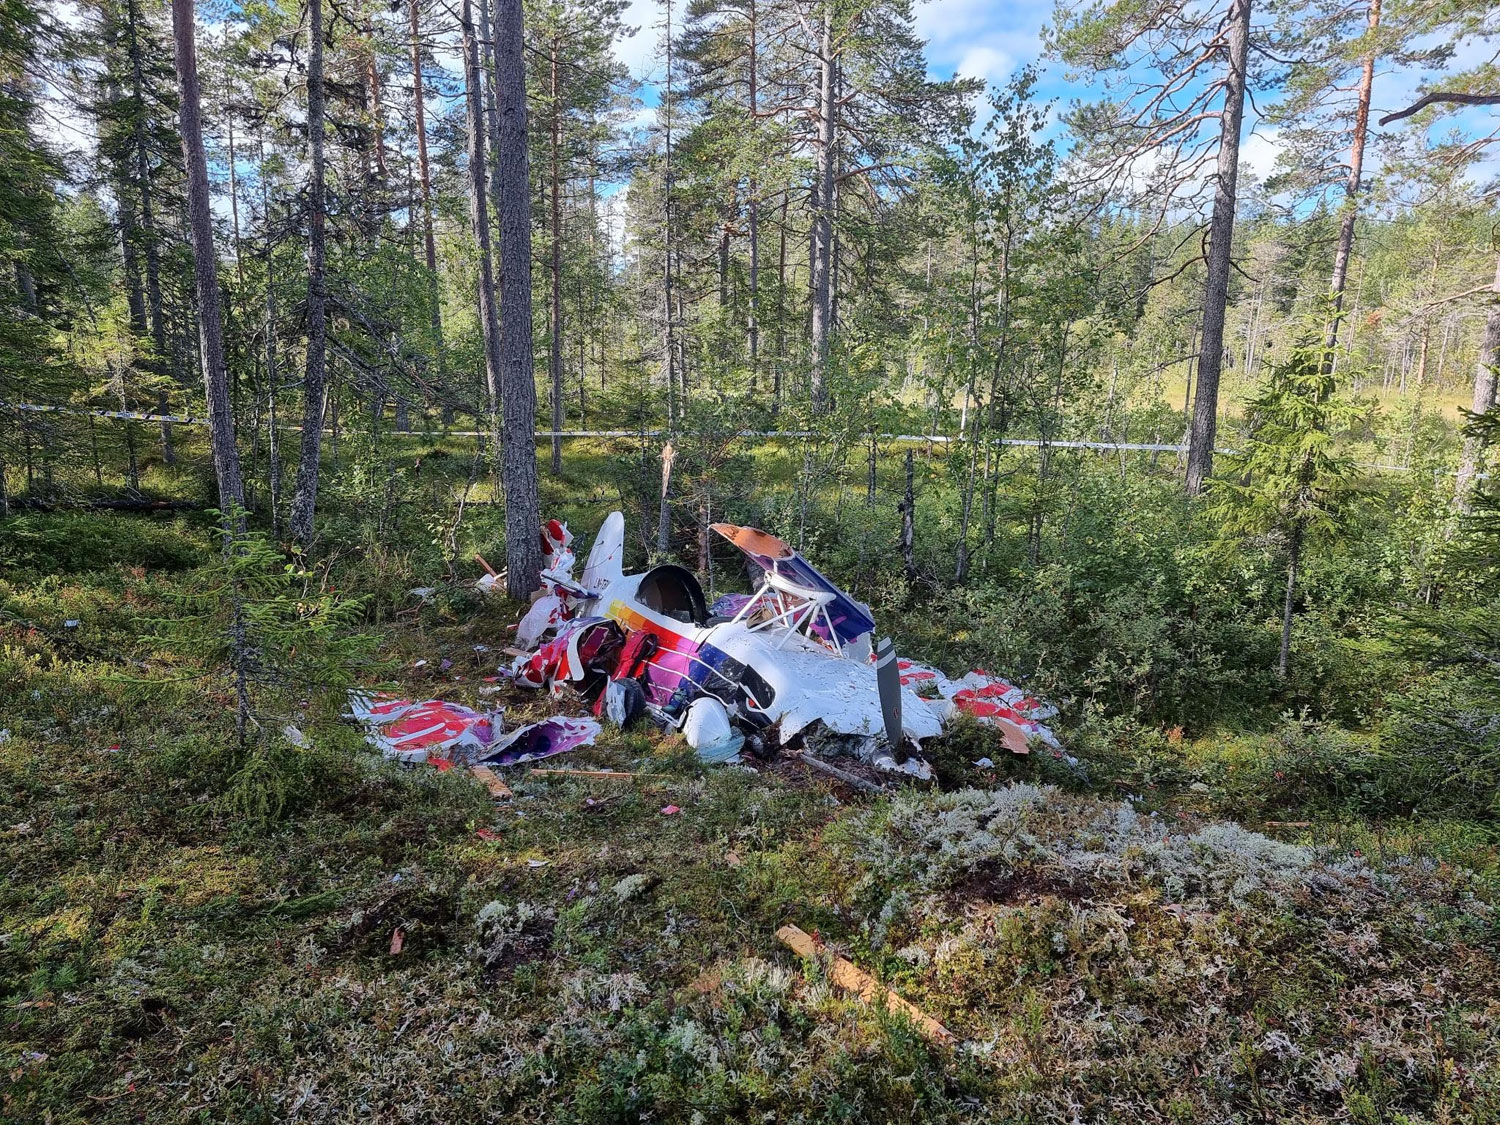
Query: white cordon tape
{"points": [[178, 420], [549, 434]]}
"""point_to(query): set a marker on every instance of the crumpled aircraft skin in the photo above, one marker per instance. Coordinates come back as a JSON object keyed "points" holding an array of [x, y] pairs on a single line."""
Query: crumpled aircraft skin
{"points": [[795, 651]]}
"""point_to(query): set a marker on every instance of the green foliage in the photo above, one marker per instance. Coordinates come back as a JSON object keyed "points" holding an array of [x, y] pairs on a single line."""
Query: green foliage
{"points": [[74, 543], [267, 627], [1294, 469]]}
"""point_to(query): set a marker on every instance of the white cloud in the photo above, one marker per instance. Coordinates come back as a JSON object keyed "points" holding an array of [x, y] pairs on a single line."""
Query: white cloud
{"points": [[981, 39], [1260, 150], [989, 63], [639, 51]]}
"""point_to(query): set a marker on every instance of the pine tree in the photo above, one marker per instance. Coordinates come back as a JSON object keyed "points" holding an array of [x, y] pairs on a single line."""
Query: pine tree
{"points": [[1291, 479]]}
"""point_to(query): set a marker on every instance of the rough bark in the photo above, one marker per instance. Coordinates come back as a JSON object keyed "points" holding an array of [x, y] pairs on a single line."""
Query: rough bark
{"points": [[1201, 436], [555, 363], [822, 220], [479, 218], [1345, 245], [205, 269], [1484, 397], [522, 520], [305, 494]]}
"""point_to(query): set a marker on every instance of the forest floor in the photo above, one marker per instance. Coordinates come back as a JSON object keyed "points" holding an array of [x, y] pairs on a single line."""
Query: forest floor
{"points": [[182, 942]]}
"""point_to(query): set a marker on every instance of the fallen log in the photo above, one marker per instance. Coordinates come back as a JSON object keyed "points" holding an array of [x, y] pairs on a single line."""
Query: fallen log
{"points": [[848, 976], [843, 775]]}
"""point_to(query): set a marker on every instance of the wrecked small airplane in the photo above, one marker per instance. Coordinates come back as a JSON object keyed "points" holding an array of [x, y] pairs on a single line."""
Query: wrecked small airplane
{"points": [[754, 670]]}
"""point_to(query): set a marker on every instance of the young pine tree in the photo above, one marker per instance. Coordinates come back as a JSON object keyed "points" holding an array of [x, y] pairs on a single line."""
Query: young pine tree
{"points": [[1291, 481]]}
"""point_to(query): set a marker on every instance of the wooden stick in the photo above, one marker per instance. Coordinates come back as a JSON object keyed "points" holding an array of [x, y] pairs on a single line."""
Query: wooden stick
{"points": [[488, 569], [498, 789], [851, 978], [613, 774], [843, 775]]}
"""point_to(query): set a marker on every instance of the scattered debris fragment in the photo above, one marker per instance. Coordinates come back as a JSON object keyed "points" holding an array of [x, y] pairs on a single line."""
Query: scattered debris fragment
{"points": [[536, 741], [987, 697], [670, 810], [411, 731], [441, 732], [611, 774], [398, 940], [846, 975]]}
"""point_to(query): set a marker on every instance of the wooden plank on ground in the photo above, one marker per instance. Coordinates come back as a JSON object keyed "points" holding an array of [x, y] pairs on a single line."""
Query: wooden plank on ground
{"points": [[498, 789], [851, 978], [613, 774]]}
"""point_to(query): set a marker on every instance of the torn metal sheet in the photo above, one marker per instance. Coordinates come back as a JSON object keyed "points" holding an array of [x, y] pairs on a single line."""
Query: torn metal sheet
{"points": [[438, 731], [417, 731], [989, 698], [544, 739]]}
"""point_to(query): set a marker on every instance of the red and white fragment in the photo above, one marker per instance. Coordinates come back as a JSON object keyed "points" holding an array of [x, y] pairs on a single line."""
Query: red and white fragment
{"points": [[990, 699], [412, 731], [441, 733]]}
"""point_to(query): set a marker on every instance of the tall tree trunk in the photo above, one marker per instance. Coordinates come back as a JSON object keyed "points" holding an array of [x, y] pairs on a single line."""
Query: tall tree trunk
{"points": [[752, 205], [1484, 397], [555, 358], [908, 522], [205, 271], [1350, 209], [1200, 462], [305, 496], [424, 175], [488, 91], [786, 202], [821, 257], [669, 336], [522, 520], [479, 217], [148, 222], [273, 372], [1293, 564]]}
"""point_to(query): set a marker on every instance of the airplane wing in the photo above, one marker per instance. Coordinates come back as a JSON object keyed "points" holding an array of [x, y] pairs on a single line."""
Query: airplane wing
{"points": [[850, 620]]}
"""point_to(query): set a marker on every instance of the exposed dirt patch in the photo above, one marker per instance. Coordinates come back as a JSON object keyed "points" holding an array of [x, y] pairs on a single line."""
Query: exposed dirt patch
{"points": [[1026, 886]]}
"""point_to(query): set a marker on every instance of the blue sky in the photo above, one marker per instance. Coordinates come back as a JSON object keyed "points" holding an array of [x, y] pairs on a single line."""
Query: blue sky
{"points": [[968, 38]]}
